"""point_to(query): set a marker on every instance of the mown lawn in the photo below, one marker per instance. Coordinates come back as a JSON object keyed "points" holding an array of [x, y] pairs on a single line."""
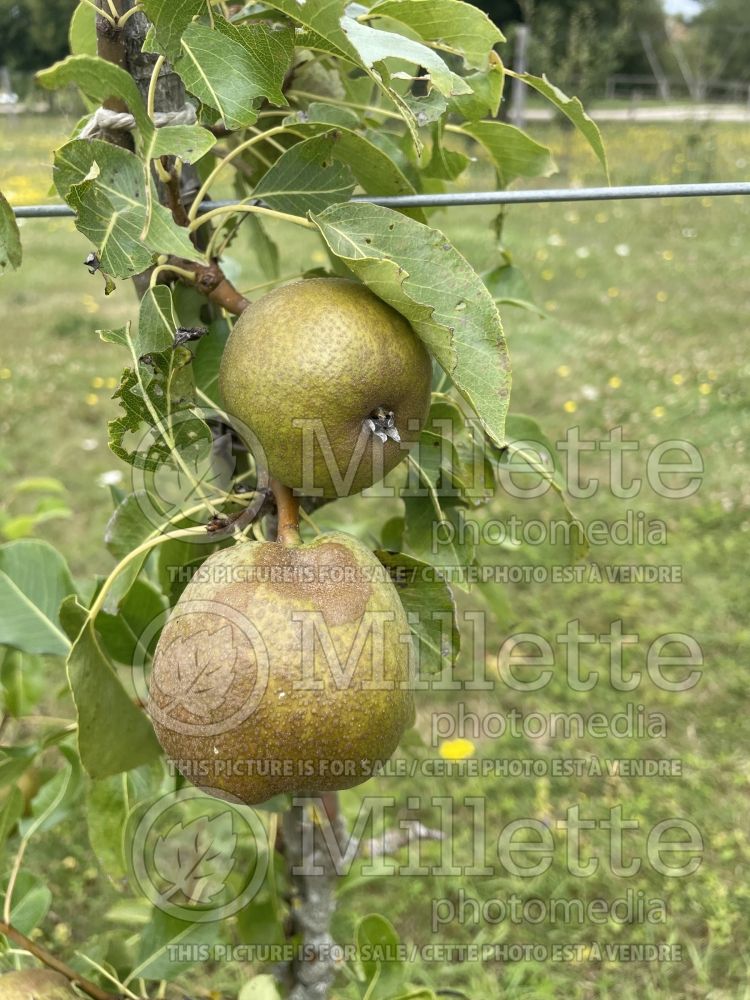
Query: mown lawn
{"points": [[645, 329]]}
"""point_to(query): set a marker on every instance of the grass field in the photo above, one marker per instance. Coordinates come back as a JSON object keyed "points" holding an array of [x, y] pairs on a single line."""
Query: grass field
{"points": [[645, 329]]}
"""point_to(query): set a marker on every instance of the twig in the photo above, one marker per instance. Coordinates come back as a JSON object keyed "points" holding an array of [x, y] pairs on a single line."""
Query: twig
{"points": [[48, 959], [211, 281]]}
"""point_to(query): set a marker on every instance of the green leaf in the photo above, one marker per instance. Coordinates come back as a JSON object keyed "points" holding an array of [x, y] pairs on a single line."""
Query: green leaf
{"points": [[23, 682], [159, 426], [34, 580], [415, 269], [131, 523], [447, 24], [513, 153], [113, 733], [169, 19], [32, 899], [230, 69], [374, 170], [374, 46], [375, 936], [55, 800], [429, 607], [265, 249], [323, 20], [307, 178], [486, 93], [104, 184], [445, 164], [129, 636], [13, 806], [100, 79], [189, 142], [572, 108], [82, 31], [157, 322], [160, 941], [434, 533], [109, 802], [10, 238]]}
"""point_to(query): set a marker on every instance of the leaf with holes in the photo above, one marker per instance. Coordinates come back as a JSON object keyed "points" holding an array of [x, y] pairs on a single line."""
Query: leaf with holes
{"points": [[104, 184], [417, 270]]}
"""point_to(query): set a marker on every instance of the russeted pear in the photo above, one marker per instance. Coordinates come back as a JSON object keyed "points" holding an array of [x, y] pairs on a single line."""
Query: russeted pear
{"points": [[283, 668], [332, 381], [35, 984]]}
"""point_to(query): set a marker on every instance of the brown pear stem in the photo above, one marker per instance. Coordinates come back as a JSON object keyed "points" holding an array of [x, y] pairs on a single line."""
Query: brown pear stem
{"points": [[287, 506], [46, 957]]}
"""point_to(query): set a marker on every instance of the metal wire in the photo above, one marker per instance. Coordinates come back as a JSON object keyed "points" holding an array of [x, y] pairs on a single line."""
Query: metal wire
{"points": [[456, 198]]}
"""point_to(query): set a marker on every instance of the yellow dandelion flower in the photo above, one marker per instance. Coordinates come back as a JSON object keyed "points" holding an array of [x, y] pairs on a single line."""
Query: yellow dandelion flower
{"points": [[613, 292], [111, 382], [90, 304], [614, 382], [667, 255], [97, 382], [706, 202], [318, 257], [601, 217], [541, 254], [547, 275], [662, 296], [91, 399], [712, 375], [457, 749], [570, 406], [5, 373], [678, 379], [658, 412], [563, 371], [705, 388]]}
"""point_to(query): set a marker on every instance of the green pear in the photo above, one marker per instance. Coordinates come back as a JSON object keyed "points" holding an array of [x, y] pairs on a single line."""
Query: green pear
{"points": [[334, 384], [283, 668], [35, 984]]}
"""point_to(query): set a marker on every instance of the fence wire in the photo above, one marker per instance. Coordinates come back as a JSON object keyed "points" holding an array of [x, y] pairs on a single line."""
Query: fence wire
{"points": [[458, 198]]}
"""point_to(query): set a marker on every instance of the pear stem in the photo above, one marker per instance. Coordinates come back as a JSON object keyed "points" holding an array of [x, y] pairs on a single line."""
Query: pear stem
{"points": [[287, 506]]}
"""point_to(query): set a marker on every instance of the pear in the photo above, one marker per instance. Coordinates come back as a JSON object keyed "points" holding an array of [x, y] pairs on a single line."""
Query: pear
{"points": [[283, 668], [35, 984], [334, 384]]}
